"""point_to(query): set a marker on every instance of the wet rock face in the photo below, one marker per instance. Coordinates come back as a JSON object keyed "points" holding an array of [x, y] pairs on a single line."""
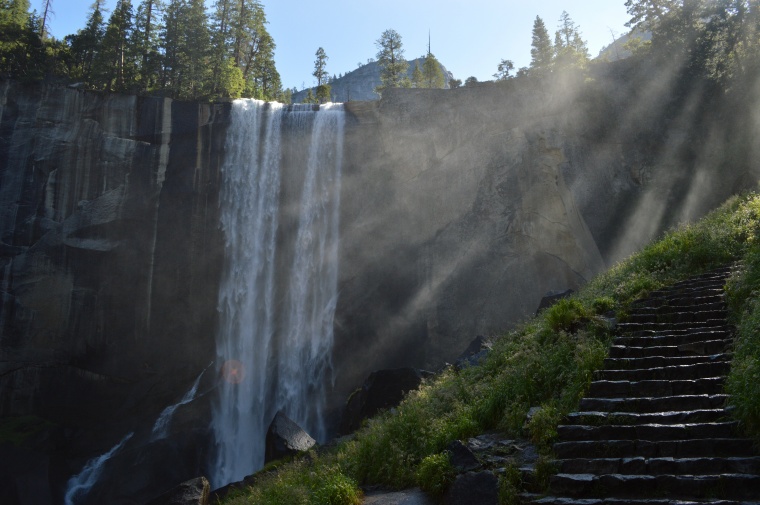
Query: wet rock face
{"points": [[109, 256]]}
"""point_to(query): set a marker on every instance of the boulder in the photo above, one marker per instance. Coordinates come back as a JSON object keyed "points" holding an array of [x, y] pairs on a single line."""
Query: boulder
{"points": [[475, 353], [473, 488], [285, 438], [461, 457], [191, 492], [383, 389], [553, 297]]}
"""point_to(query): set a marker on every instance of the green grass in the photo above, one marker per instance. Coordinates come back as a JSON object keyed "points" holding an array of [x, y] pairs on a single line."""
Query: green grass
{"points": [[548, 363]]}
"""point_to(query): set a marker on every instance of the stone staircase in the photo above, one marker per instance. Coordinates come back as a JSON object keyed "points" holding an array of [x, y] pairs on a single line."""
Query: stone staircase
{"points": [[653, 428]]}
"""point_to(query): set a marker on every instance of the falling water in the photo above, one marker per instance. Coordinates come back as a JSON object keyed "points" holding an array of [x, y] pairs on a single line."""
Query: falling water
{"points": [[80, 484], [275, 334], [161, 426]]}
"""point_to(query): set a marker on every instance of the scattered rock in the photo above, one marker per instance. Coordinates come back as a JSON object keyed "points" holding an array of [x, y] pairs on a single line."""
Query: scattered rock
{"points": [[473, 488], [461, 457], [191, 492], [474, 354], [383, 389], [285, 438], [553, 297]]}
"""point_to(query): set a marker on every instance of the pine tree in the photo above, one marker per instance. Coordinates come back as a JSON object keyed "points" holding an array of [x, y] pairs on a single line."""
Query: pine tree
{"points": [[541, 52], [114, 66], [432, 73], [570, 49], [47, 12], [85, 44], [320, 64], [14, 19], [390, 58], [146, 43], [504, 70], [417, 77]]}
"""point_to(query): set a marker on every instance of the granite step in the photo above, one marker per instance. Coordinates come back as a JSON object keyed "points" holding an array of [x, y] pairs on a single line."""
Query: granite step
{"points": [[680, 372], [647, 431], [662, 361], [705, 348], [597, 418], [655, 404], [661, 466], [698, 448], [652, 388], [726, 485], [662, 340], [553, 500]]}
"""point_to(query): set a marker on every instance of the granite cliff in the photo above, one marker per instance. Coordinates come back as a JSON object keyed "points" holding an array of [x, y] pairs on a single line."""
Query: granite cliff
{"points": [[460, 209]]}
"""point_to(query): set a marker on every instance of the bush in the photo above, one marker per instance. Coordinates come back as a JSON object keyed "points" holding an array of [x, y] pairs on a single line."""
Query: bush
{"points": [[435, 473]]}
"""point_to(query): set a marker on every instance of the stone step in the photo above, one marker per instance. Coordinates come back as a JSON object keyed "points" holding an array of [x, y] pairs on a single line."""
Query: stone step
{"points": [[661, 466], [700, 448], [652, 388], [684, 330], [666, 327], [669, 340], [695, 349], [662, 361], [680, 300], [680, 316], [655, 404], [553, 500], [653, 432], [672, 417], [682, 305], [732, 486], [681, 372]]}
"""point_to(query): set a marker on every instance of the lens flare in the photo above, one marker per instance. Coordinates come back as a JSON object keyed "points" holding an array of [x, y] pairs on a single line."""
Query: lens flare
{"points": [[233, 371]]}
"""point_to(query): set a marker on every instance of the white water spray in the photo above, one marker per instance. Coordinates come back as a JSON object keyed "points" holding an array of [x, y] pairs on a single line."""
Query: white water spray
{"points": [[275, 346], [80, 484], [161, 426]]}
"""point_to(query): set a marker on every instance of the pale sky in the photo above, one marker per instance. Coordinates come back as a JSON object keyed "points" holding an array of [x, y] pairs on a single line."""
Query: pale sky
{"points": [[469, 37]]}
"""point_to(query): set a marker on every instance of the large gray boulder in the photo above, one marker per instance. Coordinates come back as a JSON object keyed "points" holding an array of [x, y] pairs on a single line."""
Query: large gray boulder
{"points": [[191, 492], [285, 438]]}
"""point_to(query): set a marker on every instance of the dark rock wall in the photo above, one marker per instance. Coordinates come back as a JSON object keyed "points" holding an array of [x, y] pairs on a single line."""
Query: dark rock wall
{"points": [[109, 257]]}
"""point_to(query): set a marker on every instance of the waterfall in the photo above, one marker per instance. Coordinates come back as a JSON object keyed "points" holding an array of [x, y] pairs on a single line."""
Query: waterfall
{"points": [[161, 426], [279, 287], [79, 485]]}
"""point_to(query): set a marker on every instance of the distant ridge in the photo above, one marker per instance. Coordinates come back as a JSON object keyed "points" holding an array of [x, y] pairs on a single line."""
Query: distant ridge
{"points": [[360, 84]]}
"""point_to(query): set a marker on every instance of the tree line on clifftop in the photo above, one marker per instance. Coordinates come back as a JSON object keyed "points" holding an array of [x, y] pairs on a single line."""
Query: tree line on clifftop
{"points": [[178, 48]]}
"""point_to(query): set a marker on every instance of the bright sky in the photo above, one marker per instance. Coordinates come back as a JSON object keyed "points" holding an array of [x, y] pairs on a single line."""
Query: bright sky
{"points": [[470, 37]]}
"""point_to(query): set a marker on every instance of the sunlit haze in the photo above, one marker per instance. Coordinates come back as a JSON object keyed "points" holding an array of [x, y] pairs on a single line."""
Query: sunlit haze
{"points": [[469, 37]]}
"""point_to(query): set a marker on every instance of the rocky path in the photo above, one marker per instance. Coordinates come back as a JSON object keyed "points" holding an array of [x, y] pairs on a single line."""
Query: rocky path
{"points": [[654, 428]]}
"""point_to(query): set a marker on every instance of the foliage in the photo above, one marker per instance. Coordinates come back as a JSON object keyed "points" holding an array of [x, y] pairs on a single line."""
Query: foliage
{"points": [[435, 473], [319, 67], [569, 47], [549, 362], [503, 70], [323, 93], [416, 76], [541, 49], [432, 75], [390, 58]]}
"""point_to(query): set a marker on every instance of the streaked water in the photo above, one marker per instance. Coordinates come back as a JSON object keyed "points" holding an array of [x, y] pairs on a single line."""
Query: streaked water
{"points": [[279, 290]]}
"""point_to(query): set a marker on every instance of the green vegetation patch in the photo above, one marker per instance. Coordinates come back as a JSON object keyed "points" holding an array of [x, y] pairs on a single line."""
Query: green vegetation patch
{"points": [[546, 363], [17, 430]]}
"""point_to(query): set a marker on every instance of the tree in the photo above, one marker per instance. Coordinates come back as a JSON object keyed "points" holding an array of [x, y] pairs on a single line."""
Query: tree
{"points": [[503, 70], [319, 67], [541, 50], [570, 49], [432, 73], [471, 81], [323, 93], [146, 43], [14, 19], [647, 14], [455, 83], [47, 13], [114, 65], [85, 44], [390, 57], [417, 77]]}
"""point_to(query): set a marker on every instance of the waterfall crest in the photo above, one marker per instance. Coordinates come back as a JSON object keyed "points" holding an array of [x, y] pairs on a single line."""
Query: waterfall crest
{"points": [[279, 214]]}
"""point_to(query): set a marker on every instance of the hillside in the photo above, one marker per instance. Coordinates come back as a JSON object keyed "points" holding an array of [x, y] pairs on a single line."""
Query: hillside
{"points": [[547, 363], [360, 84]]}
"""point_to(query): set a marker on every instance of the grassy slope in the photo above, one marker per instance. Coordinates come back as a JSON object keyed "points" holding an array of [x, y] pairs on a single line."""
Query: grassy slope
{"points": [[548, 362]]}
